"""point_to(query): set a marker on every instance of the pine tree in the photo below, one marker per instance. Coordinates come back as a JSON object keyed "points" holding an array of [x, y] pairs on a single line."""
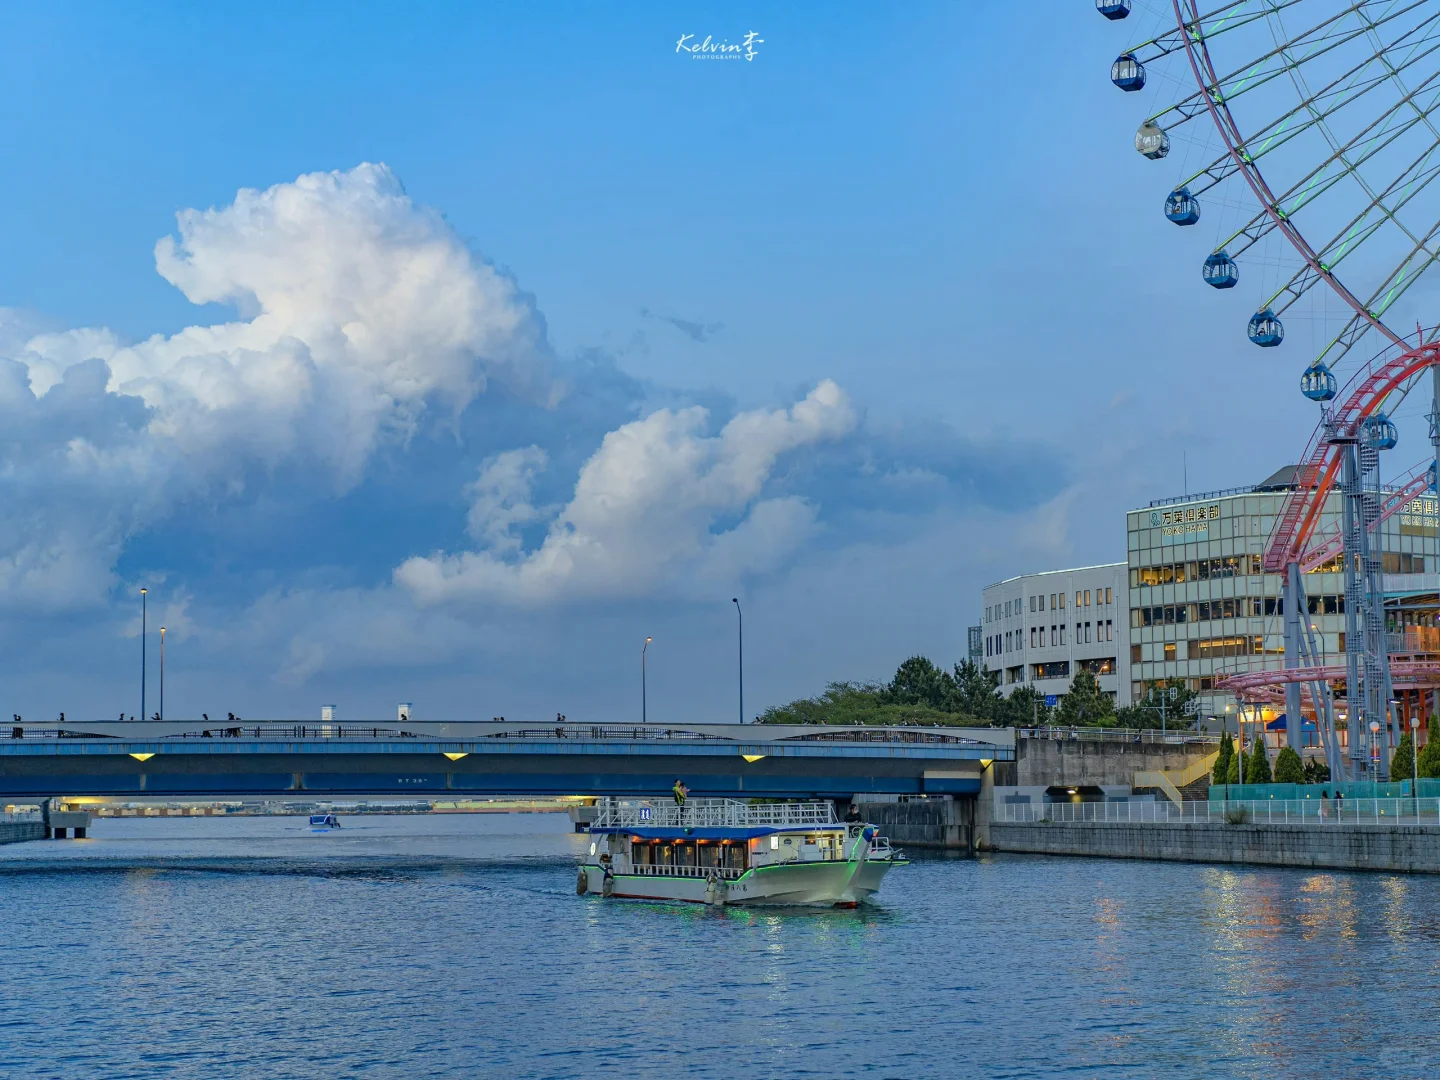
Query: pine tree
{"points": [[1402, 765], [1232, 771], [1222, 763], [1289, 769], [1430, 752], [1085, 704], [1257, 768]]}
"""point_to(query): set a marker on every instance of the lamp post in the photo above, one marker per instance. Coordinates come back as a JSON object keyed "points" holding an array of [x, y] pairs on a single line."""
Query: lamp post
{"points": [[644, 717], [162, 674], [1415, 765], [736, 601], [1375, 750], [144, 614]]}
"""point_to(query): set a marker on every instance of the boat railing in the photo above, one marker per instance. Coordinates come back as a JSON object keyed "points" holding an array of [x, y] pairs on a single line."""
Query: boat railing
{"points": [[710, 814], [729, 873]]}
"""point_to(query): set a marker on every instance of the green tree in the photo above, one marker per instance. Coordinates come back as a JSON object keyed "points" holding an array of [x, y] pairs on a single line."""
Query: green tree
{"points": [[1257, 768], [1175, 694], [1222, 763], [1085, 705], [1232, 771], [977, 691], [1022, 708], [860, 703], [1430, 752], [1402, 765], [1289, 769], [1316, 771], [919, 682]]}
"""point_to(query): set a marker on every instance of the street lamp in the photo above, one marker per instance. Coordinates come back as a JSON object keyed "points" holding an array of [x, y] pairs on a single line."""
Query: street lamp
{"points": [[644, 718], [144, 614], [1375, 750], [736, 601], [162, 674], [1415, 764]]}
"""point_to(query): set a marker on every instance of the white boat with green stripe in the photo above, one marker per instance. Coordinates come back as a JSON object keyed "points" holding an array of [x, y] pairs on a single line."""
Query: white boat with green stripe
{"points": [[730, 851]]}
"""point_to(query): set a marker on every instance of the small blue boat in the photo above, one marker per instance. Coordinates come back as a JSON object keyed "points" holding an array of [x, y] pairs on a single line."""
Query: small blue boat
{"points": [[323, 822]]}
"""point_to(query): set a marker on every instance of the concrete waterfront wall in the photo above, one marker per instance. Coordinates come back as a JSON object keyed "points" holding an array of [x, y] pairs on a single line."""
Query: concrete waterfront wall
{"points": [[927, 823], [12, 832], [1046, 762], [1403, 848]]}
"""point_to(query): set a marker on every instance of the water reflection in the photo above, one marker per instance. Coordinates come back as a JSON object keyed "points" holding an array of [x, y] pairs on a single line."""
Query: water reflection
{"points": [[239, 948]]}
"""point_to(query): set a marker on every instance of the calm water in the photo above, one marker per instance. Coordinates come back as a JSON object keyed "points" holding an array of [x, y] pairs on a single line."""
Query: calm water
{"points": [[454, 946]]}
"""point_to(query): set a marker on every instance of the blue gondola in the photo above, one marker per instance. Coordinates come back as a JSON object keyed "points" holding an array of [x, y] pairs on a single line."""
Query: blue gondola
{"points": [[1113, 9], [1380, 432], [1128, 73], [1318, 383], [1152, 141], [1182, 208], [1220, 271], [1266, 330]]}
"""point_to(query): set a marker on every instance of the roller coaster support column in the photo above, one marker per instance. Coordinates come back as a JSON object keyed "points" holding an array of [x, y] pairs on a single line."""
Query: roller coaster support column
{"points": [[1354, 554], [1295, 610]]}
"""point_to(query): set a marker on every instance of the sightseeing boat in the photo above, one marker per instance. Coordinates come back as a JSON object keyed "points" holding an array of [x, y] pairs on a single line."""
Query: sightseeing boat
{"points": [[323, 822], [727, 851]]}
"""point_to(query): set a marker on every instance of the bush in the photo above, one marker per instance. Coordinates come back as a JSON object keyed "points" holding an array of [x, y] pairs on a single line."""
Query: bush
{"points": [[1232, 770], [1402, 765], [1316, 772], [1289, 769], [1257, 768], [1237, 816], [1430, 752]]}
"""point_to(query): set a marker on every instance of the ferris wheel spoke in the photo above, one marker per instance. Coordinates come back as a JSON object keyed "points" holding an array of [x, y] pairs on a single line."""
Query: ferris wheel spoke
{"points": [[1217, 21], [1325, 175], [1409, 184], [1278, 62]]}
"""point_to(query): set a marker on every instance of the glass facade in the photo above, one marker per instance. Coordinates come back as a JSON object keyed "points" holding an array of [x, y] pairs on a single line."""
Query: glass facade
{"points": [[1202, 606]]}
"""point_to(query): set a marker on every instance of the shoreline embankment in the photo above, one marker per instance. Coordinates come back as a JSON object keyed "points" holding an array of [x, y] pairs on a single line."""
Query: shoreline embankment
{"points": [[1412, 849]]}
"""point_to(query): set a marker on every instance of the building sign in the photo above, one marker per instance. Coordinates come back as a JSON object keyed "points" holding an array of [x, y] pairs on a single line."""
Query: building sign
{"points": [[1184, 525], [1421, 517], [644, 813]]}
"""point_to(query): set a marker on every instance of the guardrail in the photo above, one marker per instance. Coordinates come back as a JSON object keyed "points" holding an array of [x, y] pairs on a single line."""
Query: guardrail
{"points": [[709, 813], [1316, 812], [1120, 735]]}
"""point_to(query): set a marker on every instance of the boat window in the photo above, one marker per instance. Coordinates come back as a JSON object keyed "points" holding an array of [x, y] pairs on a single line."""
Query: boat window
{"points": [[774, 843], [685, 854], [640, 853], [734, 855], [667, 855], [709, 854]]}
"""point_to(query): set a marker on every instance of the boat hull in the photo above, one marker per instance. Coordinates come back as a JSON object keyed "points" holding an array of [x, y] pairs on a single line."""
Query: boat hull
{"points": [[807, 884]]}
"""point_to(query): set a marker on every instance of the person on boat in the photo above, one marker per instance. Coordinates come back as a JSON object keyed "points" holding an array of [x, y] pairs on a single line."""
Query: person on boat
{"points": [[852, 816], [679, 790]]}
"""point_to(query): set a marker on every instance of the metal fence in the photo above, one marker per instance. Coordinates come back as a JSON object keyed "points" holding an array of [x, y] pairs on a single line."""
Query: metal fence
{"points": [[1119, 735], [709, 813], [19, 815], [1317, 811]]}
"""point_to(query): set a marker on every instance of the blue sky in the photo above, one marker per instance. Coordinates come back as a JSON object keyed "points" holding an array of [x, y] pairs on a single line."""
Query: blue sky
{"points": [[532, 337]]}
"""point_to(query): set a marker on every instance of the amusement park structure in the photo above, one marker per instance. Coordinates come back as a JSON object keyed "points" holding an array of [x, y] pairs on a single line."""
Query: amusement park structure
{"points": [[1317, 120]]}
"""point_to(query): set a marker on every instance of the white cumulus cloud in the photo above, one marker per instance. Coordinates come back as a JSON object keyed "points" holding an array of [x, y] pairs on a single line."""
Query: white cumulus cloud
{"points": [[645, 510], [359, 311]]}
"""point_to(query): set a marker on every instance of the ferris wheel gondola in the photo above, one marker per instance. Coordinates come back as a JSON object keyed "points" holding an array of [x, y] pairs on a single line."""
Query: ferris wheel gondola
{"points": [[1318, 128]]}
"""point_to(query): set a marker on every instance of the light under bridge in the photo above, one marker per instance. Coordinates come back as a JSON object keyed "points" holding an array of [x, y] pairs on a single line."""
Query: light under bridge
{"points": [[183, 760]]}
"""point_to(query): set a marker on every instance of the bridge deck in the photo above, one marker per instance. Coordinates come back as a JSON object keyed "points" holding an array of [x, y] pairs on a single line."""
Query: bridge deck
{"points": [[176, 760]]}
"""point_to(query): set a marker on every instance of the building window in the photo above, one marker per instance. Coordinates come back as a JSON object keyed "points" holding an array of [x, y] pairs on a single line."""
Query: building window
{"points": [[1042, 601], [1056, 669], [1170, 650], [1087, 597], [1032, 603], [1108, 599], [1062, 601], [1062, 633], [1109, 630], [1087, 633], [1134, 654]]}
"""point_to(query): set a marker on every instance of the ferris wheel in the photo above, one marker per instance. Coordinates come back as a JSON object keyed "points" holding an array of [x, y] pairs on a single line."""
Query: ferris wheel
{"points": [[1306, 135], [1310, 130]]}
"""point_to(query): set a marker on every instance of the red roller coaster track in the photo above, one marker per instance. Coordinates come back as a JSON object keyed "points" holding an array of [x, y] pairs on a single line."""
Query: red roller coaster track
{"points": [[1293, 539]]}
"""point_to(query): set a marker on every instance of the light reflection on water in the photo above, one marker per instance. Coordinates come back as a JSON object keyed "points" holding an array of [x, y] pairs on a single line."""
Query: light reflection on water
{"points": [[455, 946]]}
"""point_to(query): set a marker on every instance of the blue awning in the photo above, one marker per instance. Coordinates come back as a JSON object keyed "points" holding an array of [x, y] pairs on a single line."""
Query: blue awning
{"points": [[702, 834], [1278, 724]]}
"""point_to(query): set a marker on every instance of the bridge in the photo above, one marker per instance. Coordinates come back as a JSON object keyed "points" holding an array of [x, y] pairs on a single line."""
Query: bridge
{"points": [[140, 759]]}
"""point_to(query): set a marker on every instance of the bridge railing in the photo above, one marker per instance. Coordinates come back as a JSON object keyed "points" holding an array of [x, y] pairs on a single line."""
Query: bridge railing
{"points": [[709, 813], [1118, 735], [1316, 812]]}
